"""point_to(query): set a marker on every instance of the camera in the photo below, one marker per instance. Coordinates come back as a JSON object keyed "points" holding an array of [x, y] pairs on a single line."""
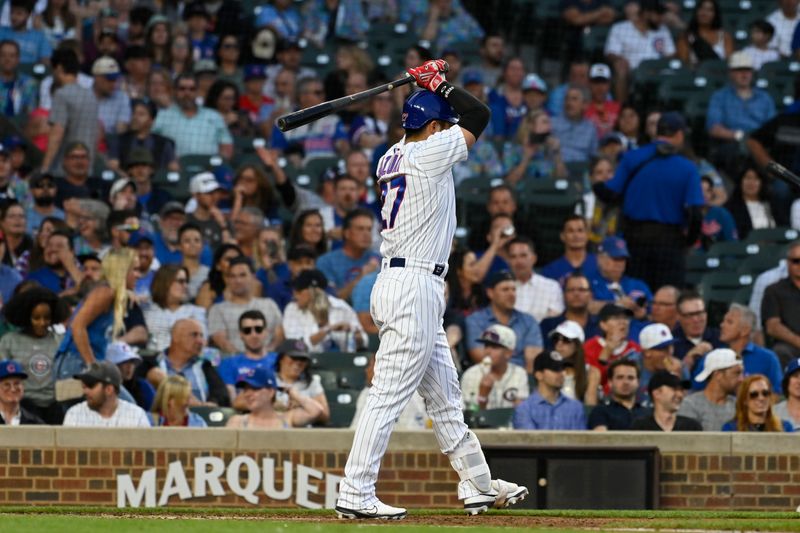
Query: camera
{"points": [[641, 301]]}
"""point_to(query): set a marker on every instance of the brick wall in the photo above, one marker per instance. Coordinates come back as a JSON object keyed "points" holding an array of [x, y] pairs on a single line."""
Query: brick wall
{"points": [[730, 481], [80, 466]]}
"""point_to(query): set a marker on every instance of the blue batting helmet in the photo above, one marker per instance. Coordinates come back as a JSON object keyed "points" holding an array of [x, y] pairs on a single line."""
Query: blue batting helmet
{"points": [[423, 106]]}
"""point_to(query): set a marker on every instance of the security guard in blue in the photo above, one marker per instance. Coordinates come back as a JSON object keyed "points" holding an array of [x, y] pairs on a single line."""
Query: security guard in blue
{"points": [[662, 204]]}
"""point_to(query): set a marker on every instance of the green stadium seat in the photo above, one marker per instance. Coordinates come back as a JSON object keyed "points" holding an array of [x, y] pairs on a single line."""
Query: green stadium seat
{"points": [[698, 265], [713, 71], [734, 250], [757, 264], [341, 396], [352, 378], [328, 378], [674, 90], [720, 289], [192, 164], [214, 416], [773, 235], [493, 418], [339, 360], [314, 168], [341, 416]]}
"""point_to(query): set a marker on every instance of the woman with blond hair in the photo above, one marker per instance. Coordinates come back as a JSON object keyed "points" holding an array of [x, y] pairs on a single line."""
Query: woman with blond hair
{"points": [[754, 408], [171, 405], [259, 389], [107, 313], [322, 321]]}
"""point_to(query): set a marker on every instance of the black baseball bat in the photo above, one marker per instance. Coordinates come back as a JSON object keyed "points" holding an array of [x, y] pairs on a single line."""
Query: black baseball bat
{"points": [[316, 112], [780, 171]]}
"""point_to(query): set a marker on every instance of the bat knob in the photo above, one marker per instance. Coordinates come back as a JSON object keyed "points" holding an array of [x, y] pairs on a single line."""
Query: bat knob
{"points": [[445, 67]]}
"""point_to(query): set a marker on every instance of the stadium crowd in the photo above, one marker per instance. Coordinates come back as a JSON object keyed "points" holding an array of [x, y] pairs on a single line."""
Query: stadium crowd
{"points": [[167, 251]]}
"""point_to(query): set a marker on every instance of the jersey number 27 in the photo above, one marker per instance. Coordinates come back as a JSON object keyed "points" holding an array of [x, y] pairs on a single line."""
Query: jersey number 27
{"points": [[397, 184]]}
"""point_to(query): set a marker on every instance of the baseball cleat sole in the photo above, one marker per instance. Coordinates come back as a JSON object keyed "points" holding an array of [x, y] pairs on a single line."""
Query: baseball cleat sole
{"points": [[372, 514]]}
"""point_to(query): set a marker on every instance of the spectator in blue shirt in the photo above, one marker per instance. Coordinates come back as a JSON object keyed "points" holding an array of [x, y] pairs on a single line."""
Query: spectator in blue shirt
{"points": [[282, 17], [612, 285], [254, 334], [736, 110], [165, 241], [577, 296], [501, 290], [577, 257], [60, 272], [344, 268], [546, 407], [18, 92], [33, 44], [361, 295], [204, 43], [737, 330]]}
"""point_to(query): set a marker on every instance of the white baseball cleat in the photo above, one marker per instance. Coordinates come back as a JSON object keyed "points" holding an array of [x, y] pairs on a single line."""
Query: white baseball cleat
{"points": [[501, 495], [378, 511]]}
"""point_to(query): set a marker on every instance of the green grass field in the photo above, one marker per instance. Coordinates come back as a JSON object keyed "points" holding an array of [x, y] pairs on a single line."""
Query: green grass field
{"points": [[185, 520]]}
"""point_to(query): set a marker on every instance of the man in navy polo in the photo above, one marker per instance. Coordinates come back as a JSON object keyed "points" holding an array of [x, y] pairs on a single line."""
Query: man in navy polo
{"points": [[662, 202], [501, 289]]}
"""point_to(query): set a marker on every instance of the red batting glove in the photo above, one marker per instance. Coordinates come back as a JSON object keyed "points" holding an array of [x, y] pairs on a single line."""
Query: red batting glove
{"points": [[430, 74]]}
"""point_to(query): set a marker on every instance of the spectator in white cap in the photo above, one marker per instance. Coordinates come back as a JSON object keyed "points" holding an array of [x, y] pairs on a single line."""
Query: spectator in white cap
{"points": [[534, 92], [716, 404], [656, 341], [734, 111], [207, 193], [122, 195], [581, 380], [495, 383], [113, 104], [133, 389], [602, 111]]}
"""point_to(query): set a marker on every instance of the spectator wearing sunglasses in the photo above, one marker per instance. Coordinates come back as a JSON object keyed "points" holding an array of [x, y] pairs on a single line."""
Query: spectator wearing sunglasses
{"points": [[256, 354], [43, 190], [754, 408]]}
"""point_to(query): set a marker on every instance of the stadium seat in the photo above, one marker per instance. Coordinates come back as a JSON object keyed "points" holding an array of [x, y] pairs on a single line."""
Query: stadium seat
{"points": [[757, 264], [314, 168], [339, 360], [328, 378], [341, 416], [192, 164], [734, 250], [214, 416], [773, 235], [493, 418], [352, 378], [713, 71], [341, 396], [698, 265], [719, 289]]}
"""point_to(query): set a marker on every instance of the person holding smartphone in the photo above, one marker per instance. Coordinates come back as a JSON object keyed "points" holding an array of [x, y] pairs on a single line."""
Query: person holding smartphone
{"points": [[536, 153]]}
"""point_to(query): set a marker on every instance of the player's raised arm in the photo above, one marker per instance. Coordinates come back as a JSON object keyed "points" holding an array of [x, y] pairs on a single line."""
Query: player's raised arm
{"points": [[474, 113]]}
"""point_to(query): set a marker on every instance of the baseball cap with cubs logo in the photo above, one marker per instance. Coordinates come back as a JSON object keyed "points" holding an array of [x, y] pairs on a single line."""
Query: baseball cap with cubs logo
{"points": [[499, 335], [11, 369], [614, 247], [655, 337], [256, 378]]}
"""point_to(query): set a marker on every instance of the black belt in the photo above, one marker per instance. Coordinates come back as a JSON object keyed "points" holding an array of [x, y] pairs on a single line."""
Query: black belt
{"points": [[400, 262]]}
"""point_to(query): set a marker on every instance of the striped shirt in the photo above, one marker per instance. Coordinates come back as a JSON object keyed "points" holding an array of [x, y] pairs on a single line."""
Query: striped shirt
{"points": [[127, 415]]}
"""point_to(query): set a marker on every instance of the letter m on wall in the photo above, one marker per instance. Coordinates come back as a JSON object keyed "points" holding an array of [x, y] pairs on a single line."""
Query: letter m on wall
{"points": [[127, 492]]}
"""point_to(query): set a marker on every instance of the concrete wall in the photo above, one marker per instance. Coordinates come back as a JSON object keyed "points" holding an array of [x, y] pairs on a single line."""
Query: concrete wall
{"points": [[54, 465]]}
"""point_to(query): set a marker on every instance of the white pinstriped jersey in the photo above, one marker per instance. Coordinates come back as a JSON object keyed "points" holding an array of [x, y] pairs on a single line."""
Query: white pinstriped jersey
{"points": [[418, 196]]}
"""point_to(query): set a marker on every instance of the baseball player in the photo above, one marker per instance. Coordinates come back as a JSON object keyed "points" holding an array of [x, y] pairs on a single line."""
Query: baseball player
{"points": [[407, 303]]}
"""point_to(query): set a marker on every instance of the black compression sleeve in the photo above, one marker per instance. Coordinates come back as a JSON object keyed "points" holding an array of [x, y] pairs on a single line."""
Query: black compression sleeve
{"points": [[474, 113]]}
